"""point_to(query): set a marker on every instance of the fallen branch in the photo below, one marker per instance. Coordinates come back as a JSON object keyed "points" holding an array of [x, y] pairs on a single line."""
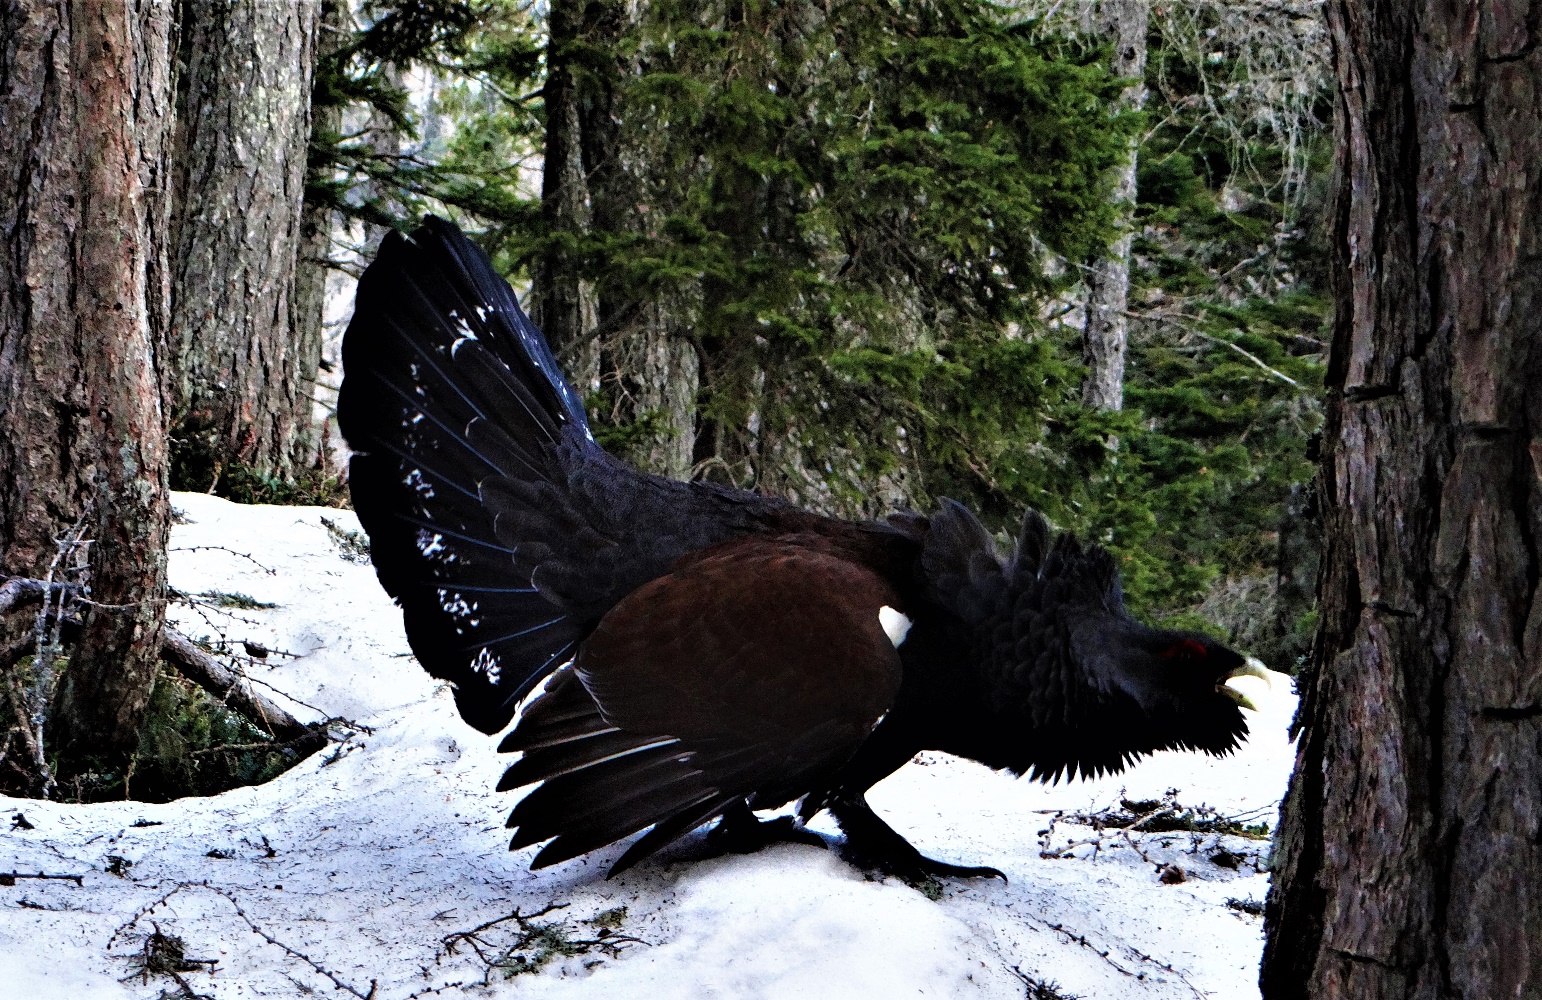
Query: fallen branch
{"points": [[203, 669], [9, 878], [20, 590], [191, 660]]}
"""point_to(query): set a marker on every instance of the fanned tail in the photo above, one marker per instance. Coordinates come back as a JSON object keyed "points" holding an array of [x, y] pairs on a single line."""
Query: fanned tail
{"points": [[451, 391], [500, 526]]}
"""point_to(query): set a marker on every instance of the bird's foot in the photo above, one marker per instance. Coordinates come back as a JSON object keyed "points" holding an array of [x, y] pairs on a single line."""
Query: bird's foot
{"points": [[914, 868], [874, 845], [739, 832]]}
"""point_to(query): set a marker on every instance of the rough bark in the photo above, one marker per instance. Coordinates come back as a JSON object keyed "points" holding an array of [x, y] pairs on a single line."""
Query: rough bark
{"points": [[661, 373], [241, 392], [1409, 856], [1297, 557], [646, 350], [87, 104], [1108, 282]]}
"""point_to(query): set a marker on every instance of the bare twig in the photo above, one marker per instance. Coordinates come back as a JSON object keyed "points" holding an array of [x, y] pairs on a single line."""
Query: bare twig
{"points": [[1251, 357], [46, 644], [542, 941], [146, 910], [295, 953], [1171, 320], [224, 548], [20, 590]]}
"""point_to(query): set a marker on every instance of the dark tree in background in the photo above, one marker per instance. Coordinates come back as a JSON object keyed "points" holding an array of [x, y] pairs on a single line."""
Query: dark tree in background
{"points": [[319, 217], [1124, 23], [1409, 860], [243, 363], [83, 309], [599, 182], [562, 303]]}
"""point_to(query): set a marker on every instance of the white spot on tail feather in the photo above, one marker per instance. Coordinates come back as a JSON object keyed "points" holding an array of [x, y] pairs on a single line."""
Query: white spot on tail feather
{"points": [[895, 624], [487, 665]]}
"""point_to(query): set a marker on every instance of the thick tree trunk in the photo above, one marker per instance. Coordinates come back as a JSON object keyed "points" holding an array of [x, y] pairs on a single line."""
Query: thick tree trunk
{"points": [[1409, 857], [661, 373], [241, 391], [1108, 283], [646, 350], [83, 305]]}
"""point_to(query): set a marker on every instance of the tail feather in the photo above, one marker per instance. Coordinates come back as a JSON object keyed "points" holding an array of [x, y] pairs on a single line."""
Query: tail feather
{"points": [[564, 758], [601, 789], [574, 841], [599, 784], [671, 829], [563, 712]]}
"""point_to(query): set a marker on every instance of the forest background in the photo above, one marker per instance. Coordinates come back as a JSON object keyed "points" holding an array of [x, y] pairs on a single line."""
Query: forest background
{"points": [[866, 255], [860, 254], [857, 254]]}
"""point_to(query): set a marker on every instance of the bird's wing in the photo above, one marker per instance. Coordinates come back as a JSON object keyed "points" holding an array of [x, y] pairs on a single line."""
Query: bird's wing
{"points": [[752, 670]]}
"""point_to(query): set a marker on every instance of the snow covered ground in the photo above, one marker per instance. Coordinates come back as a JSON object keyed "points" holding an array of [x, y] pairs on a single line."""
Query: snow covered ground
{"points": [[357, 871]]}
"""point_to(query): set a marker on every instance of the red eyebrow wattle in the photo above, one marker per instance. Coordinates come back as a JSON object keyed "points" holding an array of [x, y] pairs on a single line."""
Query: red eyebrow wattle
{"points": [[1191, 647]]}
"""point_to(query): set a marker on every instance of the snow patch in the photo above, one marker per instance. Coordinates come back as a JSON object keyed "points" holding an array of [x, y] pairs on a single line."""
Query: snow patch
{"points": [[368, 857]]}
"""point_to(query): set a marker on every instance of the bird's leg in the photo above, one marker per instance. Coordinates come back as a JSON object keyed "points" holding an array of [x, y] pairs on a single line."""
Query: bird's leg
{"points": [[739, 832], [873, 842]]}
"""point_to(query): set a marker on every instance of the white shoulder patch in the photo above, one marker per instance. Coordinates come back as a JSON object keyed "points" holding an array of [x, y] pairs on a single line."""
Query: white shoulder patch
{"points": [[895, 625]]}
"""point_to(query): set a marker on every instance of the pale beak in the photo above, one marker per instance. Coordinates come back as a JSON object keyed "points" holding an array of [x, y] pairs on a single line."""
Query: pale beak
{"points": [[1251, 667]]}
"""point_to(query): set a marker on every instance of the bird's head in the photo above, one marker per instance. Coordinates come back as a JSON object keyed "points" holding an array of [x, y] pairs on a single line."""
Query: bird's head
{"points": [[1168, 689], [1077, 684]]}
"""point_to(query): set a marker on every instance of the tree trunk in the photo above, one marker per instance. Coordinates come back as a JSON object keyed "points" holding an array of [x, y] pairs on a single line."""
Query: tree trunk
{"points": [[564, 304], [83, 309], [240, 390], [1108, 284], [1409, 855], [652, 370], [317, 224]]}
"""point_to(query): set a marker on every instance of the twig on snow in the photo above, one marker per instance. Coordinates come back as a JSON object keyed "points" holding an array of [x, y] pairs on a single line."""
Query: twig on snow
{"points": [[322, 970]]}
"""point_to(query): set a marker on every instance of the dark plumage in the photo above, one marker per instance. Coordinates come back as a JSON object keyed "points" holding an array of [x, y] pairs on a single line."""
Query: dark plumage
{"points": [[727, 650]]}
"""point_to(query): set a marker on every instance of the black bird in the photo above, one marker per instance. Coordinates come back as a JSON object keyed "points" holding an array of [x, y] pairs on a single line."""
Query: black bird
{"points": [[709, 651]]}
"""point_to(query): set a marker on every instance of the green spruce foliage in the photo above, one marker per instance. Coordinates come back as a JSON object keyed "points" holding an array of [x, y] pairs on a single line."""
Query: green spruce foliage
{"points": [[1227, 359], [854, 206], [869, 220], [377, 166]]}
